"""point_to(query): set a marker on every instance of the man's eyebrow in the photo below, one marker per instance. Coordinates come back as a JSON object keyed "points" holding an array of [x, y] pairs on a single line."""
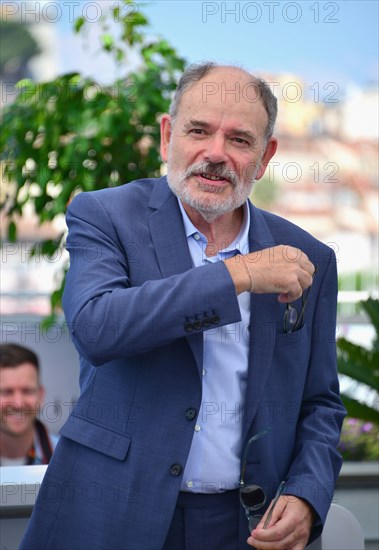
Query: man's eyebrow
{"points": [[198, 123]]}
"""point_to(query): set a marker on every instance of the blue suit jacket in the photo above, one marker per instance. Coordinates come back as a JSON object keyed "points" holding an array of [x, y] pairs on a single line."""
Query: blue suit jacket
{"points": [[131, 298]]}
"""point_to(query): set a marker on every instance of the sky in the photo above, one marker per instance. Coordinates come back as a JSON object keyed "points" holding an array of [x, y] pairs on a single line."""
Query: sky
{"points": [[320, 41]]}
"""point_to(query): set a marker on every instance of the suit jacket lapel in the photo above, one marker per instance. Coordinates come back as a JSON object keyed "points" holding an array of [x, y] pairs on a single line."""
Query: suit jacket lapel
{"points": [[263, 315], [171, 248], [170, 243]]}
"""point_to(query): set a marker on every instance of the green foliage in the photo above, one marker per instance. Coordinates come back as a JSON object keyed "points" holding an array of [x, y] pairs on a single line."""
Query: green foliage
{"points": [[363, 280], [359, 280], [265, 192], [362, 366], [72, 134], [359, 440]]}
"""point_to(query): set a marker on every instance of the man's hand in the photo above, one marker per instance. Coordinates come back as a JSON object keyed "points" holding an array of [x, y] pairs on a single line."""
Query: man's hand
{"points": [[281, 269], [289, 527]]}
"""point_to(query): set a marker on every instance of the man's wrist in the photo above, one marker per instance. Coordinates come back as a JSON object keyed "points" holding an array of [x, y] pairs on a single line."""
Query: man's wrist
{"points": [[248, 270], [312, 512], [239, 274]]}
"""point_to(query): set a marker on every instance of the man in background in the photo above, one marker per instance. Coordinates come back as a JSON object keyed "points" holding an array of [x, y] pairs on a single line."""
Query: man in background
{"points": [[24, 440]]}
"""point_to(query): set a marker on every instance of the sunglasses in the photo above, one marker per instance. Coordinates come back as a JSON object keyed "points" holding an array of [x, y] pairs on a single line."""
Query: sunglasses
{"points": [[253, 497], [293, 319]]}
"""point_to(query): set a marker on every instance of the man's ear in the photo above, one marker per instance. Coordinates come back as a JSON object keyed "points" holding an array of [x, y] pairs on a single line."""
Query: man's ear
{"points": [[165, 136], [267, 156]]}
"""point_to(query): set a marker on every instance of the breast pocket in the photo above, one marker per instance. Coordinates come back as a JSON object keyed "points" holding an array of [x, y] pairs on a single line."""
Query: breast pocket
{"points": [[98, 438], [292, 338], [290, 364]]}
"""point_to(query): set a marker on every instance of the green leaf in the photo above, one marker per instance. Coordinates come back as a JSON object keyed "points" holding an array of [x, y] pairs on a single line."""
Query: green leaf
{"points": [[358, 363], [78, 24], [12, 232], [55, 299], [26, 83], [107, 41], [116, 13], [356, 409], [119, 54], [49, 248], [361, 365], [371, 307]]}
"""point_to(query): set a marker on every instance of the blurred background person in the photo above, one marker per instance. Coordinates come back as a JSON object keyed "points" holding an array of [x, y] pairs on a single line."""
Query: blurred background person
{"points": [[24, 440]]}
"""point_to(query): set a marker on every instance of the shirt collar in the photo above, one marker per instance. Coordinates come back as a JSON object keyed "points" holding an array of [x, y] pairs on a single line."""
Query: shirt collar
{"points": [[239, 245]]}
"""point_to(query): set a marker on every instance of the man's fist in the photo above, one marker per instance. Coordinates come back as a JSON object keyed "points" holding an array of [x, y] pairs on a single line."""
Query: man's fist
{"points": [[281, 269]]}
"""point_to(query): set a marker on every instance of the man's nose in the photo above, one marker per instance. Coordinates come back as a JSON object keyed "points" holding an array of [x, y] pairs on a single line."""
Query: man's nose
{"points": [[216, 150], [17, 401]]}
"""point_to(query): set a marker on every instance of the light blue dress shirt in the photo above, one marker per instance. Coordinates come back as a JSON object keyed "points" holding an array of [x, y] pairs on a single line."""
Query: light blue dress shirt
{"points": [[214, 459]]}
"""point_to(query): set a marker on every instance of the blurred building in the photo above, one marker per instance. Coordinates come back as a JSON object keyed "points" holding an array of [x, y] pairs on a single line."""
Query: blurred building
{"points": [[326, 168], [356, 118]]}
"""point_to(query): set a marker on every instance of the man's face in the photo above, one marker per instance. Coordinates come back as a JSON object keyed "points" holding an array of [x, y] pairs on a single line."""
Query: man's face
{"points": [[20, 398], [216, 148]]}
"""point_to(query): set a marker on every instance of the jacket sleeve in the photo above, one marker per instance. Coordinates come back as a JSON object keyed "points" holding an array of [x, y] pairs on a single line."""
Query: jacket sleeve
{"points": [[108, 317], [316, 463]]}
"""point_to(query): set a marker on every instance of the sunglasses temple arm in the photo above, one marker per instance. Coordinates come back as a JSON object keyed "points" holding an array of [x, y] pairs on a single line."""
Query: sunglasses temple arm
{"points": [[244, 459], [299, 320], [273, 504]]}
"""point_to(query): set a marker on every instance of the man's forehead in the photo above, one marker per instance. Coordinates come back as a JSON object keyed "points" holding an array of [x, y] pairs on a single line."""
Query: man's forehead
{"points": [[24, 369], [224, 87]]}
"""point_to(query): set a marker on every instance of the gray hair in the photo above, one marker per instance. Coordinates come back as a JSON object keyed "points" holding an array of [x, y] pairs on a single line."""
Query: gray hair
{"points": [[195, 72]]}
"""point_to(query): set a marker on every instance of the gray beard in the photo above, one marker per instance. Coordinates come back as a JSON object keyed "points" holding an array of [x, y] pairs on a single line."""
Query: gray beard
{"points": [[213, 206]]}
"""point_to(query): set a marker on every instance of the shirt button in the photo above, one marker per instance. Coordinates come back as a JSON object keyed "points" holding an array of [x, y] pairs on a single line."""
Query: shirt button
{"points": [[189, 483], [175, 469], [204, 371], [197, 428], [191, 413], [196, 237]]}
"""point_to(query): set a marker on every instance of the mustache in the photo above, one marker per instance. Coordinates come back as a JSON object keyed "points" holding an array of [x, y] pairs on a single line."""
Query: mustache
{"points": [[213, 169]]}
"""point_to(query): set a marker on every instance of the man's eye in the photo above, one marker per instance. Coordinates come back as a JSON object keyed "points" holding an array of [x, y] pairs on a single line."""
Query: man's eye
{"points": [[197, 131], [240, 141]]}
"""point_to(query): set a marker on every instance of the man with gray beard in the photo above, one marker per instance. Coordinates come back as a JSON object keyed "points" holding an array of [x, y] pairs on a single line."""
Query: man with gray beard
{"points": [[209, 414]]}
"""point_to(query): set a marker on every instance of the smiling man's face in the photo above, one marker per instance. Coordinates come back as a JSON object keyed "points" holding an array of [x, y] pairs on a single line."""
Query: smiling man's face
{"points": [[21, 396], [216, 147]]}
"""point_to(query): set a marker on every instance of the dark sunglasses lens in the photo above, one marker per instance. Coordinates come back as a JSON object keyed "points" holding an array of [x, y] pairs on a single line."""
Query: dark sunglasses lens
{"points": [[253, 497]]}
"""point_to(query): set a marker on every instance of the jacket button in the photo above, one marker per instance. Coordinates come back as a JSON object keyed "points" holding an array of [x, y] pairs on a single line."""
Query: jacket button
{"points": [[175, 469], [191, 413], [188, 327], [207, 322], [215, 319], [197, 325]]}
